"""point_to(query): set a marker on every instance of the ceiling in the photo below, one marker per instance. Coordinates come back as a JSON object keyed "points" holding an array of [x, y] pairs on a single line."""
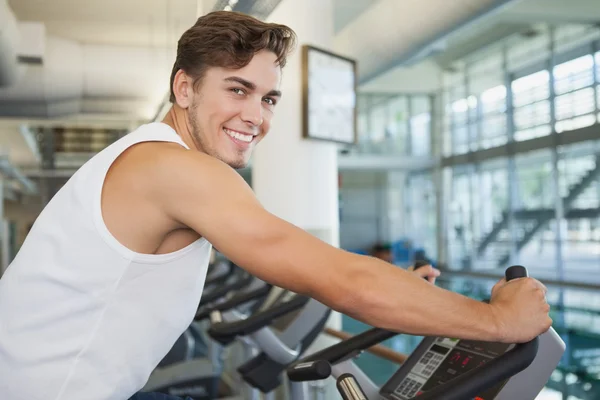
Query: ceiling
{"points": [[152, 23], [401, 46], [423, 71], [346, 11]]}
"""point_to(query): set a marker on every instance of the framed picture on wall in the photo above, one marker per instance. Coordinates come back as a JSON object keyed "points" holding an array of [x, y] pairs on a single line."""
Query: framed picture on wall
{"points": [[329, 96]]}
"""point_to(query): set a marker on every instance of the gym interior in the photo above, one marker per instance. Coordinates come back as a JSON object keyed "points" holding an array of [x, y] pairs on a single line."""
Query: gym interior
{"points": [[463, 133]]}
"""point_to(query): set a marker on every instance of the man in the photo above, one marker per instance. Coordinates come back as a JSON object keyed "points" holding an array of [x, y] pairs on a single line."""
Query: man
{"points": [[383, 252], [113, 269]]}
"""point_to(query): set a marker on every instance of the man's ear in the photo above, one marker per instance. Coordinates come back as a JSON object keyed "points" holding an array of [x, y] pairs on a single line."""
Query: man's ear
{"points": [[183, 88]]}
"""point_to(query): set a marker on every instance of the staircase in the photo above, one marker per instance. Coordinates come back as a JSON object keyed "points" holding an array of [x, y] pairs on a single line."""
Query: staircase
{"points": [[541, 217]]}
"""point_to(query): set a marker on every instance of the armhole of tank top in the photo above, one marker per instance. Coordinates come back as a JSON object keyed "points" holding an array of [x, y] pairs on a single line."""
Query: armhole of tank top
{"points": [[99, 223]]}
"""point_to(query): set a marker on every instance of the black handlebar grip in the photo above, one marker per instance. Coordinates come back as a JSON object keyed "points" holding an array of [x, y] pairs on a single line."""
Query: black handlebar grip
{"points": [[516, 271], [310, 371]]}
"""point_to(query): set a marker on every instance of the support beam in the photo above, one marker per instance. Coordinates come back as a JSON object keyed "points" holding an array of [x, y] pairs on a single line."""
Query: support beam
{"points": [[591, 132]]}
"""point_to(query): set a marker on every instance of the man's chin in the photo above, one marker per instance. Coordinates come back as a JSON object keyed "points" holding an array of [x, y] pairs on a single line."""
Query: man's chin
{"points": [[238, 163]]}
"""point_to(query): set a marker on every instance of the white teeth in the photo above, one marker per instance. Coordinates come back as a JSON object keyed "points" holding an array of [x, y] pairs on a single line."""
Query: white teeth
{"points": [[239, 136]]}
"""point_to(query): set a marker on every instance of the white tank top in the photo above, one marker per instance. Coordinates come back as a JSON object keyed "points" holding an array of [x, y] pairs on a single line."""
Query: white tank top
{"points": [[82, 316]]}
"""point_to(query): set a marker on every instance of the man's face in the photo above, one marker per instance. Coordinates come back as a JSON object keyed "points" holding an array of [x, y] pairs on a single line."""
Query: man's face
{"points": [[232, 110]]}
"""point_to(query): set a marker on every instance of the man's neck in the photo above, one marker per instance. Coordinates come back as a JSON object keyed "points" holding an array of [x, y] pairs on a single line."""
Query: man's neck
{"points": [[176, 118]]}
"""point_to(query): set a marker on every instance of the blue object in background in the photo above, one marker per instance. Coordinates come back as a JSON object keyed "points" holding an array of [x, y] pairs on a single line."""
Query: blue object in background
{"points": [[402, 251]]}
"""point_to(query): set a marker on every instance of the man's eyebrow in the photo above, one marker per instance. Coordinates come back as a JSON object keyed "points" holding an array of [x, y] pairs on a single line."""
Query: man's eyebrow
{"points": [[241, 81], [251, 86]]}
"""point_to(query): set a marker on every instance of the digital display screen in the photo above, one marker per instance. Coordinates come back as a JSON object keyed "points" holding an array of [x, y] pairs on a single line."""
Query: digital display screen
{"points": [[445, 359], [439, 349], [465, 356]]}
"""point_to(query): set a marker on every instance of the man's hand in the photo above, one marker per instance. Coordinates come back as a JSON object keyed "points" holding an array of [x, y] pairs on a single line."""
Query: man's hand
{"points": [[427, 272], [520, 309]]}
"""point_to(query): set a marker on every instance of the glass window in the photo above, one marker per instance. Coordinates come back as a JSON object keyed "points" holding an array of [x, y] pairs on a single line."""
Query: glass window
{"points": [[532, 120], [460, 109], [534, 213], [398, 125], [421, 212], [493, 130], [531, 88], [493, 100], [492, 104], [464, 114], [575, 103], [460, 139], [362, 126], [459, 219], [531, 106], [597, 58], [575, 110], [575, 123], [534, 174], [581, 233], [492, 188], [574, 74], [420, 134], [420, 125], [378, 123]]}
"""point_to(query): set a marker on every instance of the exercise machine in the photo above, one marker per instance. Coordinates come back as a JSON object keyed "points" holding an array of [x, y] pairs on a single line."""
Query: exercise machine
{"points": [[194, 355], [441, 368], [273, 336], [192, 343]]}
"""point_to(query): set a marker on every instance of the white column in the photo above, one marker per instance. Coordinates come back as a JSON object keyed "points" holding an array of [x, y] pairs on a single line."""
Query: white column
{"points": [[201, 7], [294, 178], [4, 233]]}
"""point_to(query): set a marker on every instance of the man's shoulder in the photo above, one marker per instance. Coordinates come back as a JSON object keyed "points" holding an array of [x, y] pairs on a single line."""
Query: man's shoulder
{"points": [[168, 156], [167, 163]]}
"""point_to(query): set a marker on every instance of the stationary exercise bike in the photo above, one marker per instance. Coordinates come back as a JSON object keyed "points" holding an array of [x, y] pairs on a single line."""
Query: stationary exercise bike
{"points": [[274, 334], [441, 368], [192, 343], [194, 365]]}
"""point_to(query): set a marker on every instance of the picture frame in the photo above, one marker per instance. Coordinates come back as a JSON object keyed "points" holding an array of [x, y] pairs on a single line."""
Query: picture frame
{"points": [[329, 96]]}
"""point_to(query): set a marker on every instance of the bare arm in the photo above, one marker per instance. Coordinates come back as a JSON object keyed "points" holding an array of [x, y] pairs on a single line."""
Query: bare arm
{"points": [[207, 196]]}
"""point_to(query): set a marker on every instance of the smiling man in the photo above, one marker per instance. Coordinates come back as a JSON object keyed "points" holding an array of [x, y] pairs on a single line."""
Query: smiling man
{"points": [[113, 269], [226, 121]]}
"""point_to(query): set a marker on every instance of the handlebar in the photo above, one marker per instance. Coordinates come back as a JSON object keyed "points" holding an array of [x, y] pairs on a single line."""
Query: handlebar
{"points": [[226, 332], [220, 278], [216, 294], [466, 385], [235, 301]]}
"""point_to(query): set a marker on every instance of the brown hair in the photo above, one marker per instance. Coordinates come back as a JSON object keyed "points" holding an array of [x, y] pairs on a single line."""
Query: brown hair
{"points": [[228, 39]]}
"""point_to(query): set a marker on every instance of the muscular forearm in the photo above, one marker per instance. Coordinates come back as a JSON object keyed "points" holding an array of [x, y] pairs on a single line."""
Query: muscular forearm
{"points": [[389, 297], [365, 288]]}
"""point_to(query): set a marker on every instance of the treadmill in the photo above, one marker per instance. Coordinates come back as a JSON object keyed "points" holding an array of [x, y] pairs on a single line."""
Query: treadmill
{"points": [[441, 368]]}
